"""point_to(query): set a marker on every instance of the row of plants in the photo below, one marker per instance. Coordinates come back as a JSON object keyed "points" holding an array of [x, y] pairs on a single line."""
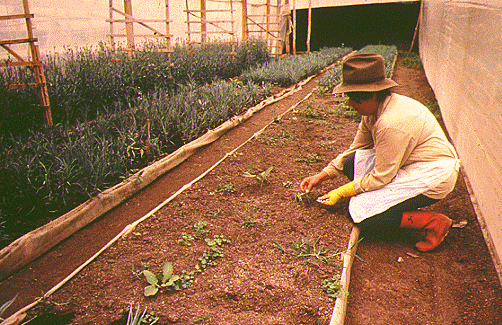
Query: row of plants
{"points": [[89, 82], [49, 171]]}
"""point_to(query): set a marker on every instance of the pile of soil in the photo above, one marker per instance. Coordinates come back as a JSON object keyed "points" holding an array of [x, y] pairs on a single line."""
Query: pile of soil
{"points": [[281, 246]]}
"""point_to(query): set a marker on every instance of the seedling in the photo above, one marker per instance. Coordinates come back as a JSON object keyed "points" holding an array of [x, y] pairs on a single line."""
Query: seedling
{"points": [[304, 198], [164, 280], [333, 287], [136, 273], [144, 318], [287, 184], [186, 239], [229, 188], [209, 256], [306, 249], [213, 214], [311, 158], [199, 228], [260, 177]]}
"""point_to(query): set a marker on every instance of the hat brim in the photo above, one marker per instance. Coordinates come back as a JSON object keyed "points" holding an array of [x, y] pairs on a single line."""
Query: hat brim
{"points": [[371, 87]]}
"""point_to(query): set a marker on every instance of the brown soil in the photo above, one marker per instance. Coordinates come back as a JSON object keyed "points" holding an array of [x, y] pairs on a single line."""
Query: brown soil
{"points": [[254, 282]]}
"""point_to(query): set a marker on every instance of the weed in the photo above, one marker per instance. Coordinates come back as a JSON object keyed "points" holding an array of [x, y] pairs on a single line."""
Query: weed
{"points": [[199, 228], [214, 252], [284, 136], [308, 249], [333, 287], [411, 60], [287, 184], [260, 177], [311, 158], [303, 198], [200, 319], [213, 214], [219, 241], [186, 239], [164, 280], [229, 187], [137, 319]]}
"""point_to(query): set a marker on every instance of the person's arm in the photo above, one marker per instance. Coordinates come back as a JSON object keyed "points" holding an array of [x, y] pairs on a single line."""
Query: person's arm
{"points": [[362, 140], [309, 182]]}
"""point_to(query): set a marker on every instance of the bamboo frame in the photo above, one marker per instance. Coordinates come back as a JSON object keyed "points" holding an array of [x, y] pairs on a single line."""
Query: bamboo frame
{"points": [[270, 27], [35, 63], [202, 18], [129, 20]]}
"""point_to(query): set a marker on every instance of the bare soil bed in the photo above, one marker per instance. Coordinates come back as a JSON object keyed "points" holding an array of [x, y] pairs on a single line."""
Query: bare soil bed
{"points": [[254, 281]]}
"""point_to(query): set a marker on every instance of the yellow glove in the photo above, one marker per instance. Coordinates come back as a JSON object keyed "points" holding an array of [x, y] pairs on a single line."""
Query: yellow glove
{"points": [[334, 196]]}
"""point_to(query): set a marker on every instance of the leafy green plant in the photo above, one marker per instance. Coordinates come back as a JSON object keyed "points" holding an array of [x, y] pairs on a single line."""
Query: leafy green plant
{"points": [[214, 252], [303, 198], [310, 158], [164, 280], [186, 239], [200, 319], [213, 214], [135, 318], [137, 273], [308, 249], [199, 228], [333, 287], [261, 177], [229, 188]]}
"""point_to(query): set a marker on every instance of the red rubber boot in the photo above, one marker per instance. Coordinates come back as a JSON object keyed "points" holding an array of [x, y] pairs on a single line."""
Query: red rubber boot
{"points": [[435, 225]]}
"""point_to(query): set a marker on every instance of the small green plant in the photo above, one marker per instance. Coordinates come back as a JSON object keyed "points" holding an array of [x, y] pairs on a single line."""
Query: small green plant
{"points": [[287, 184], [213, 214], [308, 249], [134, 318], [229, 188], [214, 252], [164, 280], [186, 239], [200, 319], [304, 198], [333, 287], [261, 177], [311, 158], [199, 228]]}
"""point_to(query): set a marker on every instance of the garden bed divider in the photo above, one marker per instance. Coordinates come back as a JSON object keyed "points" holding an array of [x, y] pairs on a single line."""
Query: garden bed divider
{"points": [[338, 316]]}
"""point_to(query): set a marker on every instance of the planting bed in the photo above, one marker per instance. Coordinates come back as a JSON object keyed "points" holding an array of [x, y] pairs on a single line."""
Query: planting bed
{"points": [[254, 282]]}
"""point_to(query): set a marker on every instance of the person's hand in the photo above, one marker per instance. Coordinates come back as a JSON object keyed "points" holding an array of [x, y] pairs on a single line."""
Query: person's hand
{"points": [[309, 182], [334, 196]]}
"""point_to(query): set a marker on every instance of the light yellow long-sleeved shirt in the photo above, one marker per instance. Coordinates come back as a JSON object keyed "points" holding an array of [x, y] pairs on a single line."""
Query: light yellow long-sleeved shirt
{"points": [[403, 132]]}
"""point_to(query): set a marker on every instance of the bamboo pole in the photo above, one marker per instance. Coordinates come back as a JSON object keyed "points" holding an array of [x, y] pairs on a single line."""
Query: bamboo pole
{"points": [[294, 27], [309, 27], [244, 20], [129, 24], [203, 18], [339, 311]]}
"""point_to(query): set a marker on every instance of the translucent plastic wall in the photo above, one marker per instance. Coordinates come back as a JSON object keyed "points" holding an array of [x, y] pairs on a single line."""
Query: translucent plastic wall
{"points": [[461, 48]]}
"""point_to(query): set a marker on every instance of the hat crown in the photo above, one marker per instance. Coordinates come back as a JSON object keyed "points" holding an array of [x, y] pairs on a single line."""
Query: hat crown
{"points": [[363, 68]]}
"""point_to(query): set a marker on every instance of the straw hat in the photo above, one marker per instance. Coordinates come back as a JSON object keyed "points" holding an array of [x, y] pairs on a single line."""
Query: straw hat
{"points": [[364, 72]]}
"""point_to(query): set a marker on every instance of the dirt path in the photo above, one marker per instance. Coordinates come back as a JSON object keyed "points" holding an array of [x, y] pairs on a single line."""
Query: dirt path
{"points": [[393, 284]]}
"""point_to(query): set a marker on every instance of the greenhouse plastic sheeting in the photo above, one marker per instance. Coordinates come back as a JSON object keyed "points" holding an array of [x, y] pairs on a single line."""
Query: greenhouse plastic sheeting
{"points": [[461, 48]]}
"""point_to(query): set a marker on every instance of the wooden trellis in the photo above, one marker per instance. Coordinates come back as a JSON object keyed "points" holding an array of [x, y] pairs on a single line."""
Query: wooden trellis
{"points": [[213, 17], [262, 19], [126, 17], [34, 63]]}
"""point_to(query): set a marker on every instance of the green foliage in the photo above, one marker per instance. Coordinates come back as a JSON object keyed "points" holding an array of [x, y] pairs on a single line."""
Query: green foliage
{"points": [[214, 252], [309, 250], [164, 280], [288, 71], [333, 287], [213, 214], [411, 60], [261, 177], [199, 228], [229, 188], [186, 239], [135, 318], [310, 159], [304, 198]]}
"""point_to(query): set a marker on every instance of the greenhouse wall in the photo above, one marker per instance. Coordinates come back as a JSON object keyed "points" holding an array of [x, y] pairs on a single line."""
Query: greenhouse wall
{"points": [[461, 50]]}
